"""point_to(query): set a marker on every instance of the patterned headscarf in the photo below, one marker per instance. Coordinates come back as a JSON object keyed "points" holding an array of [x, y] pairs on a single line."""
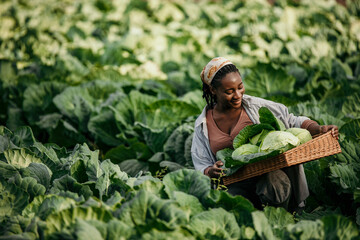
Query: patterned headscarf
{"points": [[209, 71]]}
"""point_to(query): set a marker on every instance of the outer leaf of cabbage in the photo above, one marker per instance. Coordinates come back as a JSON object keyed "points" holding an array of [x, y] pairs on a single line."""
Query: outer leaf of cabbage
{"points": [[245, 149], [216, 223], [242, 160], [224, 153], [257, 139], [279, 140], [267, 117], [302, 134], [248, 132]]}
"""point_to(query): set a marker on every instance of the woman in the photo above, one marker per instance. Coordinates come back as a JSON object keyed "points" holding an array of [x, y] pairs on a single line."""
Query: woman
{"points": [[228, 111]]}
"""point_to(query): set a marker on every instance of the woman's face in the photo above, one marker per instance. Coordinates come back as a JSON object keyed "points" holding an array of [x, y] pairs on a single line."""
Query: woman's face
{"points": [[229, 94]]}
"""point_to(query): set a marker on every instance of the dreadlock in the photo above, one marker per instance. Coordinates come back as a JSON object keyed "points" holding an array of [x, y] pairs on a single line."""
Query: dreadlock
{"points": [[216, 82]]}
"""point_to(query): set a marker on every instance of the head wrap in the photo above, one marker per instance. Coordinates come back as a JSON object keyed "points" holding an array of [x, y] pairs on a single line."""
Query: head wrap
{"points": [[209, 71]]}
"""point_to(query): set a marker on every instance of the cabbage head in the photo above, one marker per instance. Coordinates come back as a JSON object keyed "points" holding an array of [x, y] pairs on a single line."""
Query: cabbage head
{"points": [[279, 140], [245, 149], [302, 134], [257, 139]]}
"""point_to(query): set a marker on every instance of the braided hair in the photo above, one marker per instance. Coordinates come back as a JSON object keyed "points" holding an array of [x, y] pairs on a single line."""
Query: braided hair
{"points": [[216, 82]]}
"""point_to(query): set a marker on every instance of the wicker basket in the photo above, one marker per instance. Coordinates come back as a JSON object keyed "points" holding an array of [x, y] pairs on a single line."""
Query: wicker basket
{"points": [[320, 146]]}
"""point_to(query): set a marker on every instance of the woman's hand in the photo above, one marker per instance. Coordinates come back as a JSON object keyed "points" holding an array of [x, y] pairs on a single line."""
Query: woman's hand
{"points": [[314, 128], [215, 170], [334, 130]]}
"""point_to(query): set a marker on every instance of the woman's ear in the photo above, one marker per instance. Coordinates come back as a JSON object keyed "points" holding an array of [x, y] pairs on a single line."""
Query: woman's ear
{"points": [[212, 90]]}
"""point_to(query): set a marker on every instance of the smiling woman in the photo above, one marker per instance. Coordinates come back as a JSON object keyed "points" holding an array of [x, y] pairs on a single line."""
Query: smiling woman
{"points": [[228, 111]]}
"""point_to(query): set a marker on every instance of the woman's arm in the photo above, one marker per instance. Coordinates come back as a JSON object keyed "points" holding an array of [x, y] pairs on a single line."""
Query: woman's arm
{"points": [[314, 128], [200, 152]]}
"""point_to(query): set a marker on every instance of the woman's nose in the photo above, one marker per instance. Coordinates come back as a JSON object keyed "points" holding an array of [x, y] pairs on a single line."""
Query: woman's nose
{"points": [[238, 93]]}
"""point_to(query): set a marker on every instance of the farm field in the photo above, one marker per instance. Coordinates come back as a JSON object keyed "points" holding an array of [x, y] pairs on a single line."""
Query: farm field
{"points": [[98, 101]]}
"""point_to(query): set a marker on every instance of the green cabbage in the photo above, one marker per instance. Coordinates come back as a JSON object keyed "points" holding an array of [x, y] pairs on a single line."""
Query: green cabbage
{"points": [[257, 139], [267, 117], [302, 134], [279, 140], [245, 149], [248, 132]]}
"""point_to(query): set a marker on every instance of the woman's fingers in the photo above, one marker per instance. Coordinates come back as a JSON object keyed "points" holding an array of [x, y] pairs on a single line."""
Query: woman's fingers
{"points": [[335, 133], [215, 171], [218, 164], [333, 128]]}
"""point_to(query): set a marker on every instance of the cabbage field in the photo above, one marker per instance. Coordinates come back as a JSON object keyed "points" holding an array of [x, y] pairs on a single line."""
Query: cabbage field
{"points": [[98, 100]]}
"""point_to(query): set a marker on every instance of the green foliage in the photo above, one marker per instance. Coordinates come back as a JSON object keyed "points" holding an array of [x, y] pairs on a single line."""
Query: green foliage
{"points": [[351, 129], [20, 158], [278, 219], [82, 195], [112, 89], [189, 181], [13, 199], [146, 211], [306, 229], [58, 221], [177, 147], [238, 205], [216, 224], [38, 99], [339, 227], [262, 226], [265, 80], [344, 176]]}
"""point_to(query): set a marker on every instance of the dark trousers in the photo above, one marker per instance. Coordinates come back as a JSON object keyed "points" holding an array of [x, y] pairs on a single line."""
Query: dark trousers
{"points": [[273, 188]]}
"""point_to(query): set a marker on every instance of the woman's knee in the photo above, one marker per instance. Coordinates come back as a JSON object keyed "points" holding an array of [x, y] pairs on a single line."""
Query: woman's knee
{"points": [[274, 188]]}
